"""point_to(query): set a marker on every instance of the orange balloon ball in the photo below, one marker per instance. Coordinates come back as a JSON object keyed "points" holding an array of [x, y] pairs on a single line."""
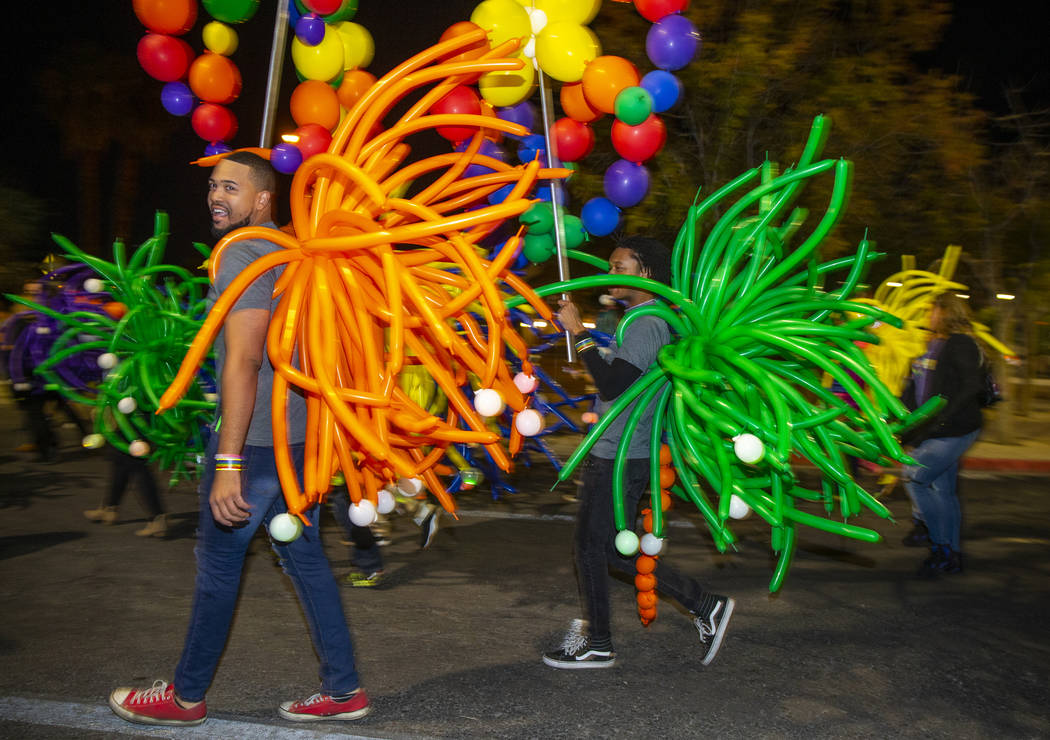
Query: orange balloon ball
{"points": [[355, 83], [575, 104], [604, 78], [171, 17], [115, 309], [215, 78], [667, 477], [314, 101], [646, 599], [645, 582], [647, 521], [665, 501], [665, 454], [647, 615], [474, 51], [645, 564]]}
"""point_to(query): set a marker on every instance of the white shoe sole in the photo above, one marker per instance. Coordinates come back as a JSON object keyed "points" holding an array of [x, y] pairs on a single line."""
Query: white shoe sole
{"points": [[720, 631]]}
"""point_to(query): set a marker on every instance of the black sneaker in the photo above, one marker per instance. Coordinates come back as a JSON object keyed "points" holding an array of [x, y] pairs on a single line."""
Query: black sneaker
{"points": [[428, 528], [919, 536], [712, 627], [943, 559], [576, 653]]}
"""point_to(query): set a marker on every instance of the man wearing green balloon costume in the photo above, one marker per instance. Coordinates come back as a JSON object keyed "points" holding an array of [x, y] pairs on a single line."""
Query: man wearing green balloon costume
{"points": [[240, 490], [589, 644]]}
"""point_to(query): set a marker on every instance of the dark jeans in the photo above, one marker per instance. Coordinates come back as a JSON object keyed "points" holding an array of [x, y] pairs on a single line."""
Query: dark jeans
{"points": [[365, 555], [122, 470], [595, 550]]}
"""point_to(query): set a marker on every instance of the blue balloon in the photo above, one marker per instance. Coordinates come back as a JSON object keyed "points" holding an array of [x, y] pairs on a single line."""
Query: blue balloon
{"points": [[532, 145], [286, 158], [498, 196], [664, 87], [216, 147], [543, 192], [600, 217], [523, 114], [626, 183], [294, 14], [672, 42], [177, 98], [310, 29]]}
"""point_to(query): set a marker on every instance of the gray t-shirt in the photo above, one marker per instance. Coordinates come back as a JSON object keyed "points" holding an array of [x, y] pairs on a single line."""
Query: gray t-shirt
{"points": [[259, 294], [641, 342]]}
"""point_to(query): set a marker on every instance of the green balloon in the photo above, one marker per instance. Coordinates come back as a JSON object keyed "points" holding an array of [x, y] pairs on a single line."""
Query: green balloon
{"points": [[539, 219], [231, 11], [633, 105], [573, 233], [538, 247]]}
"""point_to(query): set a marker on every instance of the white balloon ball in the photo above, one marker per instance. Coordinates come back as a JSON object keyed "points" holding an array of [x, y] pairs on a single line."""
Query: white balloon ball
{"points": [[43, 330], [410, 486], [526, 383], [606, 300], [652, 545], [748, 448], [385, 501], [363, 513], [537, 19], [93, 441], [138, 448], [488, 401], [107, 361], [737, 508], [627, 543], [529, 49], [529, 422], [126, 405], [22, 387], [93, 285], [211, 397], [285, 528]]}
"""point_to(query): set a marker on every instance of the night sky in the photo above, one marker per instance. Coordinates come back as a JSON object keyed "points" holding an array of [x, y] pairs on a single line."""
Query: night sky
{"points": [[988, 44]]}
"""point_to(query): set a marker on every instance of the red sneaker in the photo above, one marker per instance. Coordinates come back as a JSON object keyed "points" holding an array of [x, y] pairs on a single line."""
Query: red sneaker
{"points": [[322, 706], [155, 706]]}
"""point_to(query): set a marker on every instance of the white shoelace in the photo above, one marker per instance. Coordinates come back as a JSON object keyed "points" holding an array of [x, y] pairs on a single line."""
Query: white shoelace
{"points": [[315, 699], [157, 691], [575, 639]]}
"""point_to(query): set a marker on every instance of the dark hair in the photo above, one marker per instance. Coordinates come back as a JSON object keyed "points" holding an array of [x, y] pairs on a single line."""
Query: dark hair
{"points": [[260, 172], [652, 255], [955, 315]]}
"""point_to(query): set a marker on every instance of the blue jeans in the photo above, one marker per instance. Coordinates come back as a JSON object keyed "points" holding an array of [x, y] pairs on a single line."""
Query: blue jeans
{"points": [[595, 548], [365, 555], [220, 560], [932, 484]]}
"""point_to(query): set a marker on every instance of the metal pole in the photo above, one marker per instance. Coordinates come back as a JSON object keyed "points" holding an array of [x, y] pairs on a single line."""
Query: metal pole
{"points": [[273, 78], [547, 107]]}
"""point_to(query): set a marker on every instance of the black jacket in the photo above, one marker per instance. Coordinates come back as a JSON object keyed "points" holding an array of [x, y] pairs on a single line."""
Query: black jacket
{"points": [[958, 376]]}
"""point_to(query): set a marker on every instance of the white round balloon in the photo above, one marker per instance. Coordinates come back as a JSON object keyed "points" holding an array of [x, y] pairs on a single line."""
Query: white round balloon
{"points": [[285, 527], [126, 405], [529, 422], [107, 360], [138, 448], [410, 486], [737, 508], [526, 383], [93, 285], [363, 513], [748, 448], [627, 543], [652, 545], [488, 401], [385, 501]]}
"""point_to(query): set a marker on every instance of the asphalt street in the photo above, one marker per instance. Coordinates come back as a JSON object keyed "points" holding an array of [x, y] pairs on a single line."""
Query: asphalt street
{"points": [[449, 646]]}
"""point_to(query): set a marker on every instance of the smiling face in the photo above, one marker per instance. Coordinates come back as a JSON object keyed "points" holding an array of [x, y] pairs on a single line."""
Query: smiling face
{"points": [[234, 200], [624, 262]]}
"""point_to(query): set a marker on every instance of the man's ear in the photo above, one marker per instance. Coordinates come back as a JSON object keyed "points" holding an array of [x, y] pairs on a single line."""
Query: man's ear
{"points": [[263, 201]]}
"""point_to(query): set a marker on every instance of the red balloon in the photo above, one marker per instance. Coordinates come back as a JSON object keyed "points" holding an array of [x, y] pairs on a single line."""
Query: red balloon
{"points": [[214, 122], [639, 143], [461, 100], [174, 17], [573, 140], [654, 10], [164, 58], [313, 139]]}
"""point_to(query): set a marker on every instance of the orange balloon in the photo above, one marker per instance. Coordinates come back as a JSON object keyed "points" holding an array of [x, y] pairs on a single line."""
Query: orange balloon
{"points": [[645, 564], [575, 104], [115, 309], [646, 599], [355, 83], [171, 17], [665, 501], [647, 615], [215, 78], [647, 521], [314, 101], [645, 582], [604, 78], [667, 477], [474, 51], [665, 455]]}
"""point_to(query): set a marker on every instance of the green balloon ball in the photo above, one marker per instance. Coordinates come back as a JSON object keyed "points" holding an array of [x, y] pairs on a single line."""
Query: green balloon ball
{"points": [[231, 11], [572, 231], [633, 105], [539, 219], [538, 247]]}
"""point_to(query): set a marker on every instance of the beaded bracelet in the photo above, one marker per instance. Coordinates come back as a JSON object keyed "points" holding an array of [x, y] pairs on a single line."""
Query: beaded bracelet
{"points": [[585, 344]]}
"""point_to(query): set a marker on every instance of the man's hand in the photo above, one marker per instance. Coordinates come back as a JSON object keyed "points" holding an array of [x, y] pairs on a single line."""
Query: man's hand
{"points": [[227, 504], [569, 317]]}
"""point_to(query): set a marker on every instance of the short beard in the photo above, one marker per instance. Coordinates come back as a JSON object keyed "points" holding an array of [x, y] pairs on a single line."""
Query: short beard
{"points": [[220, 233]]}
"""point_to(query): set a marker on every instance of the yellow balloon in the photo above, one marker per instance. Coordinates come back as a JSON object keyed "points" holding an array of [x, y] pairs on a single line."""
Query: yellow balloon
{"points": [[503, 19], [564, 49], [507, 88], [219, 38], [358, 45], [322, 62], [573, 11]]}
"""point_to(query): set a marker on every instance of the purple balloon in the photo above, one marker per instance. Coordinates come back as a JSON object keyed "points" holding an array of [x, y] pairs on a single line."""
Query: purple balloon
{"points": [[286, 158], [488, 148], [177, 98], [626, 183], [664, 87], [216, 147], [310, 29], [672, 42], [600, 217], [523, 114]]}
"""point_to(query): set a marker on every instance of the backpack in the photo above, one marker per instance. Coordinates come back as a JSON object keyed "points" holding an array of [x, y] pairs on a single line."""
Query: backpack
{"points": [[989, 394]]}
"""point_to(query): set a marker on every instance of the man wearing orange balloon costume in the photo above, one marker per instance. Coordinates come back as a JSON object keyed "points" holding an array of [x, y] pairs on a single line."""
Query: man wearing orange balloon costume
{"points": [[589, 644], [240, 489]]}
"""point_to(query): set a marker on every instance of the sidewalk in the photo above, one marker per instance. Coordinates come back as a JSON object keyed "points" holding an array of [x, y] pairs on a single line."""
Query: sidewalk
{"points": [[1030, 453]]}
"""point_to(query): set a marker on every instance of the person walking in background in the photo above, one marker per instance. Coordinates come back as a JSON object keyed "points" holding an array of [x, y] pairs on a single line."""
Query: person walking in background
{"points": [[240, 490], [952, 368], [123, 469], [588, 643]]}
